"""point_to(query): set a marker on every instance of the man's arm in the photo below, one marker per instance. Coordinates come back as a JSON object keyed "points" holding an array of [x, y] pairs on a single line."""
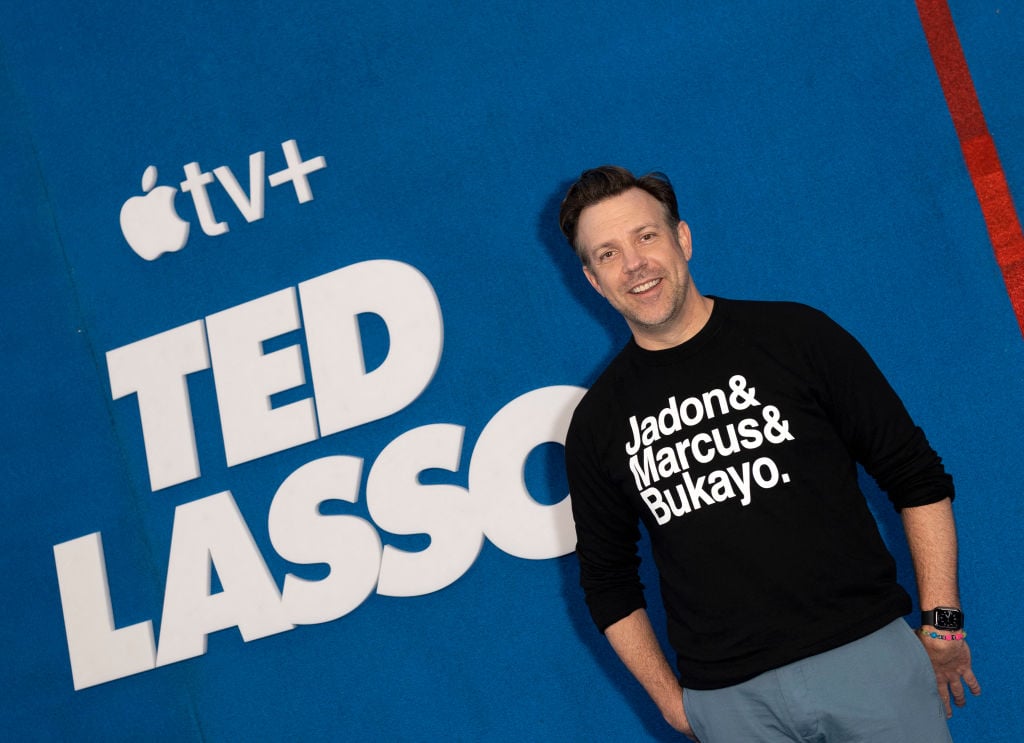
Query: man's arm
{"points": [[634, 641], [931, 535]]}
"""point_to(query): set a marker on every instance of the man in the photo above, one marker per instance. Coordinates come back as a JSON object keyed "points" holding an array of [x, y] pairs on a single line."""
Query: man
{"points": [[732, 430]]}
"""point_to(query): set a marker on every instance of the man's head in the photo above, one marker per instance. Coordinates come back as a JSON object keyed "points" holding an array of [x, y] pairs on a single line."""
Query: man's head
{"points": [[635, 253], [598, 184]]}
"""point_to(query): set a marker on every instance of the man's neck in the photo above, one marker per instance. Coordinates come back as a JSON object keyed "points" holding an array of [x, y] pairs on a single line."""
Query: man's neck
{"points": [[691, 321]]}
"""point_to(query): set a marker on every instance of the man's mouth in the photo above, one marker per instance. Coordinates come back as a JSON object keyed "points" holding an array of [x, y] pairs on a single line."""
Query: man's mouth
{"points": [[647, 285]]}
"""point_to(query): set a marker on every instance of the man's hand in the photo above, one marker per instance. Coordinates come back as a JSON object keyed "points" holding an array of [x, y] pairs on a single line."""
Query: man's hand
{"points": [[931, 536], [676, 717], [952, 663]]}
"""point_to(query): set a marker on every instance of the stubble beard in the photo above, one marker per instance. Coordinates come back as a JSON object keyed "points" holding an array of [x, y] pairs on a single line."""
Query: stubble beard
{"points": [[679, 296]]}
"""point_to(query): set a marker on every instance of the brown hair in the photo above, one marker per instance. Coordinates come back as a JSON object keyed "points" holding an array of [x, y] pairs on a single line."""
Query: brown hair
{"points": [[598, 184]]}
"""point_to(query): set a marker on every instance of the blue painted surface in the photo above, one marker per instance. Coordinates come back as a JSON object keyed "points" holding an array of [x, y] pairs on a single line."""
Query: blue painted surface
{"points": [[815, 161]]}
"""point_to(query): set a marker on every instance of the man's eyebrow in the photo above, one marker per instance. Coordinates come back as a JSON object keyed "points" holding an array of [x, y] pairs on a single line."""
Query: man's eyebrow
{"points": [[635, 231]]}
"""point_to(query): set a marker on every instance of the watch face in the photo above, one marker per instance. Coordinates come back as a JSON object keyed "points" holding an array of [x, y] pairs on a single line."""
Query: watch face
{"points": [[948, 619]]}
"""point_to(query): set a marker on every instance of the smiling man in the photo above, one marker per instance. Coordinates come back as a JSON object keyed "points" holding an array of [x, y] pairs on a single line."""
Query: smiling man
{"points": [[638, 260], [731, 430]]}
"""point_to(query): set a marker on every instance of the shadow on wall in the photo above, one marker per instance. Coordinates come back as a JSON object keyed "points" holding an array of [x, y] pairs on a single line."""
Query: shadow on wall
{"points": [[568, 265]]}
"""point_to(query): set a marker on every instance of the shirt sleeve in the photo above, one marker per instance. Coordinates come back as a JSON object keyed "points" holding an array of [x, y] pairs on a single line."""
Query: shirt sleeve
{"points": [[875, 425], [607, 531]]}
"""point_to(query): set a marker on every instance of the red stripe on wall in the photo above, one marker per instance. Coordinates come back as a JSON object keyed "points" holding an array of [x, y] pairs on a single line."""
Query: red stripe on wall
{"points": [[978, 148]]}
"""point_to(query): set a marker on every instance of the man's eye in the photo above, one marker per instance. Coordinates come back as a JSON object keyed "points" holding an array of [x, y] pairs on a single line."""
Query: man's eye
{"points": [[647, 237]]}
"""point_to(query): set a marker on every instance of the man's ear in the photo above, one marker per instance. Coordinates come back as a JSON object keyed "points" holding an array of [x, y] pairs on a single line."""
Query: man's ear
{"points": [[592, 279], [683, 233]]}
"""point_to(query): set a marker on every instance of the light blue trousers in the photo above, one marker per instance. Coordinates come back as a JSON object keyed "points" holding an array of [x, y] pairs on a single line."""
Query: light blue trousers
{"points": [[879, 689]]}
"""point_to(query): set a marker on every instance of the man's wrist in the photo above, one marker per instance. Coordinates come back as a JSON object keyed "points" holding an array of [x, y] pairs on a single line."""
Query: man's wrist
{"points": [[934, 634]]}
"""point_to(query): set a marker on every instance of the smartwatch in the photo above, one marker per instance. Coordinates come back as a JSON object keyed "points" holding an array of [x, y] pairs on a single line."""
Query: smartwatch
{"points": [[944, 617]]}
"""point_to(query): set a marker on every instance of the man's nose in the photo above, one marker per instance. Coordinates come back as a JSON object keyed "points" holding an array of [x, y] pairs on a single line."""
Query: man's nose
{"points": [[633, 259]]}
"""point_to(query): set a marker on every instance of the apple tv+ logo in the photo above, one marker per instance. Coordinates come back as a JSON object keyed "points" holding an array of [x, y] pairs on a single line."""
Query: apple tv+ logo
{"points": [[151, 225]]}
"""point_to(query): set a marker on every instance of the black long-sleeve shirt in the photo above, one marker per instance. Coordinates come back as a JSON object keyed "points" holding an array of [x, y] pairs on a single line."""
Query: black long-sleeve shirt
{"points": [[738, 452]]}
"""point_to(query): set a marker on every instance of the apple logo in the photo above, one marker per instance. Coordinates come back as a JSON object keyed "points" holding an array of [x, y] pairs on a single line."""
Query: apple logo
{"points": [[150, 223]]}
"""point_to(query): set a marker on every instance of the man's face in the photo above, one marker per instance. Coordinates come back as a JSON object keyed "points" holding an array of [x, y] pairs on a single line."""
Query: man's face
{"points": [[638, 262]]}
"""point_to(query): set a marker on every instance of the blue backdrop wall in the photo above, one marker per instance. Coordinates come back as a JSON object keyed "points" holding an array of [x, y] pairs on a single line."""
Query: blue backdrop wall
{"points": [[286, 466]]}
